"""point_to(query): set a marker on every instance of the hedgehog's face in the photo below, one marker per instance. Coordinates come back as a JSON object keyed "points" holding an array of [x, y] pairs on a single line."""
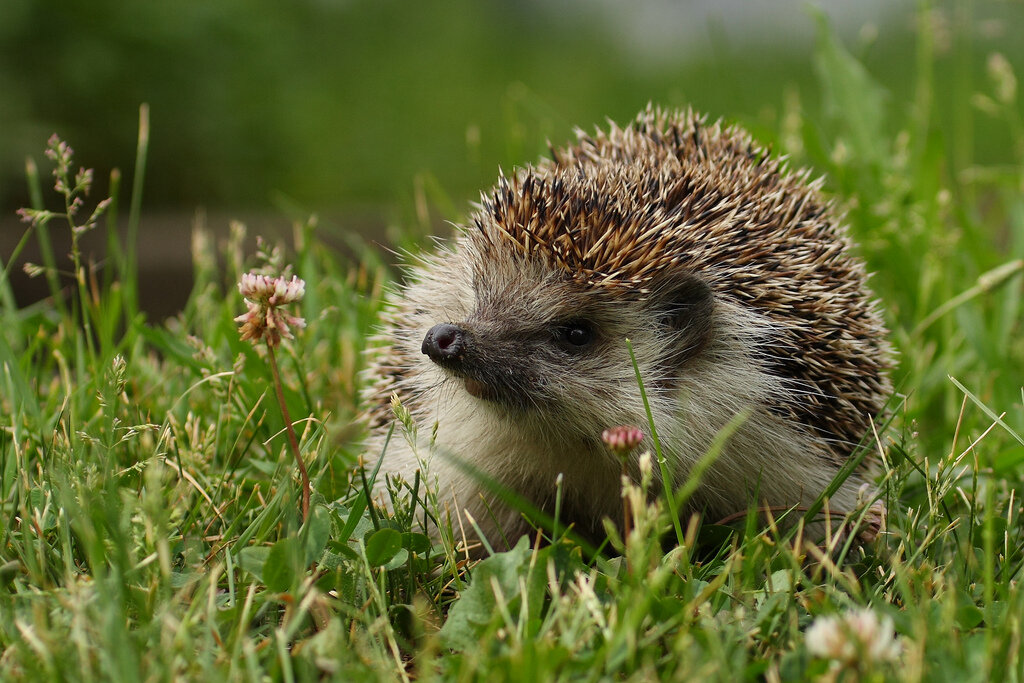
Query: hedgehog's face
{"points": [[540, 342]]}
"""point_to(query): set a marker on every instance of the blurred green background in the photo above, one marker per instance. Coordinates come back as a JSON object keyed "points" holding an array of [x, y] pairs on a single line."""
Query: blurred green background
{"points": [[396, 114]]}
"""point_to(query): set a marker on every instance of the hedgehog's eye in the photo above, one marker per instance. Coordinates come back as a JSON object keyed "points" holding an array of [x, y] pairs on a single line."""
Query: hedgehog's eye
{"points": [[575, 335]]}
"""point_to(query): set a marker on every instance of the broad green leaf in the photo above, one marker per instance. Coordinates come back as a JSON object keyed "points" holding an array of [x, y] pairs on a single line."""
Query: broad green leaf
{"points": [[382, 545], [416, 542], [316, 533], [252, 559], [476, 608], [281, 566]]}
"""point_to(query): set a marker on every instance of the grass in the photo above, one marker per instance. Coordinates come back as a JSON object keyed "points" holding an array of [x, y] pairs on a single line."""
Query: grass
{"points": [[151, 525]]}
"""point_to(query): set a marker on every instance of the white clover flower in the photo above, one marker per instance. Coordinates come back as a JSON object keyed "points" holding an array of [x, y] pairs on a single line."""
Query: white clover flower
{"points": [[264, 297], [858, 635], [274, 291]]}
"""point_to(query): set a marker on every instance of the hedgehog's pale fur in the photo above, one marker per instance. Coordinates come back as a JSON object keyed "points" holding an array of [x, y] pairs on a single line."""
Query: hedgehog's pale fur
{"points": [[727, 271]]}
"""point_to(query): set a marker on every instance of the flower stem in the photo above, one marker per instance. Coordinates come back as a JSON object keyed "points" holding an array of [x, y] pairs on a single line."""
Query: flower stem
{"points": [[292, 441], [627, 520]]}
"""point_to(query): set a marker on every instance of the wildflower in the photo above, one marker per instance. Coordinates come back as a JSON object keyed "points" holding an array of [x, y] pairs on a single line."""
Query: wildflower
{"points": [[856, 638], [35, 216], [73, 190], [267, 321], [622, 439], [61, 153], [264, 297]]}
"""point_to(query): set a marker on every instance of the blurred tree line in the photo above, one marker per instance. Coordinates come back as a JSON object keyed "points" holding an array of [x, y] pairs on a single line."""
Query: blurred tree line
{"points": [[334, 103]]}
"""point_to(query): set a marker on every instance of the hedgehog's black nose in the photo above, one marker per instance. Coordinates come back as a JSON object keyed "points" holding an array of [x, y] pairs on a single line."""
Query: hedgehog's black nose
{"points": [[444, 342]]}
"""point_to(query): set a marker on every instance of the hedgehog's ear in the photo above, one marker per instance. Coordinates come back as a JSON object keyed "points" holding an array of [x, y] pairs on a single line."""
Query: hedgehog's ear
{"points": [[684, 304]]}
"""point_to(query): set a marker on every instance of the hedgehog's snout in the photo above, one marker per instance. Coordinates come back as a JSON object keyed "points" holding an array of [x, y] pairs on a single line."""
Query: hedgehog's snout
{"points": [[444, 342]]}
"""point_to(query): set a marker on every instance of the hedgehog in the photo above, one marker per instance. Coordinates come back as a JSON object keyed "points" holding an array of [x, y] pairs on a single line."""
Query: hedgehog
{"points": [[728, 272]]}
